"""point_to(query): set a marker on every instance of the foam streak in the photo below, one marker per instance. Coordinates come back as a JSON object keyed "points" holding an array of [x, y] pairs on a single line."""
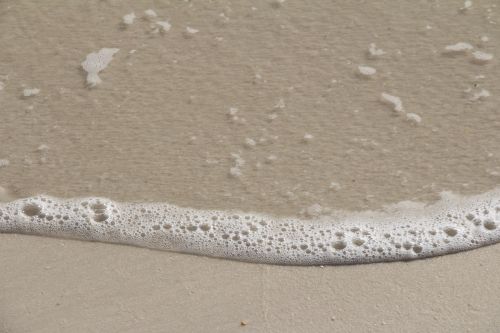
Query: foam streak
{"points": [[403, 231]]}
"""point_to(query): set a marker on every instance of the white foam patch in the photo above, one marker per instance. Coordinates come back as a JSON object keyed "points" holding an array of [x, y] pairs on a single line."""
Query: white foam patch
{"points": [[366, 71], [403, 231], [460, 47], [480, 57], [128, 19], [96, 62], [29, 92], [165, 26], [394, 101], [374, 52]]}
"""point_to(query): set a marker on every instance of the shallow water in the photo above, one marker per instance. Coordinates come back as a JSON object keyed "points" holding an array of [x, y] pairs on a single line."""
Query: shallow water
{"points": [[289, 109], [273, 108]]}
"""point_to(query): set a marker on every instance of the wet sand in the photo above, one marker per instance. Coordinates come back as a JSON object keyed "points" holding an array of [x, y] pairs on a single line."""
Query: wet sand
{"points": [[160, 128]]}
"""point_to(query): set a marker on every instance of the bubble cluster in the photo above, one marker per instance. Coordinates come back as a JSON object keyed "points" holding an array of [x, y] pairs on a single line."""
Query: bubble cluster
{"points": [[96, 62], [399, 232]]}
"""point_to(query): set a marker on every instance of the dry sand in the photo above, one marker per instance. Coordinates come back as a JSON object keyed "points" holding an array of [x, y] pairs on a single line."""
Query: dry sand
{"points": [[159, 128]]}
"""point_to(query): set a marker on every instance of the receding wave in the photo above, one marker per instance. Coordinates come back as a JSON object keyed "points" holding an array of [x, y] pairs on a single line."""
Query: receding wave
{"points": [[403, 231]]}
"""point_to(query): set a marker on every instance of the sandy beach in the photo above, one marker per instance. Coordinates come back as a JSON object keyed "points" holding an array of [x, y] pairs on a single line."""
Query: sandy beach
{"points": [[265, 106]]}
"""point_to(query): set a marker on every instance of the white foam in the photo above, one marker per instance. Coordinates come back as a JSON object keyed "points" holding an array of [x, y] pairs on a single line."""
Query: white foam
{"points": [[399, 232], [128, 19], [460, 47], [366, 71], [29, 92], [250, 143], [481, 58], [192, 31], [467, 5], [394, 101], [374, 52], [307, 138], [334, 186], [96, 62], [414, 118], [271, 159], [164, 26], [479, 95], [150, 14], [239, 162]]}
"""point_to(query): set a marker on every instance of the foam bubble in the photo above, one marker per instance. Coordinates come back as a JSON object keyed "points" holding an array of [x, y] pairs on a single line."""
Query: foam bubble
{"points": [[398, 232]]}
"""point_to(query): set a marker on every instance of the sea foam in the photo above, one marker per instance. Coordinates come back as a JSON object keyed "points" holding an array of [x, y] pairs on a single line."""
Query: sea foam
{"points": [[403, 231]]}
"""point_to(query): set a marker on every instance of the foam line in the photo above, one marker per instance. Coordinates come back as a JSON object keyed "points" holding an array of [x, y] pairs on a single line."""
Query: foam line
{"points": [[403, 231]]}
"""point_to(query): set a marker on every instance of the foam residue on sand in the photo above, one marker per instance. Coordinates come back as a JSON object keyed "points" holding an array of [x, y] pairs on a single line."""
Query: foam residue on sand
{"points": [[96, 62], [404, 231]]}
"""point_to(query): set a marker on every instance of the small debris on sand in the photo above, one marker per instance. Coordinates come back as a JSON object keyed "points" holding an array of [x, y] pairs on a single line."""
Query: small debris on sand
{"points": [[4, 163], [190, 30]]}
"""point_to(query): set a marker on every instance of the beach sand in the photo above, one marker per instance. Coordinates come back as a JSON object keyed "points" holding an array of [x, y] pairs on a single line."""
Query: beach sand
{"points": [[262, 109]]}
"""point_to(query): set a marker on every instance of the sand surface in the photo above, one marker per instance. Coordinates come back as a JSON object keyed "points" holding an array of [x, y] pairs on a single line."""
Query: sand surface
{"points": [[160, 128]]}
